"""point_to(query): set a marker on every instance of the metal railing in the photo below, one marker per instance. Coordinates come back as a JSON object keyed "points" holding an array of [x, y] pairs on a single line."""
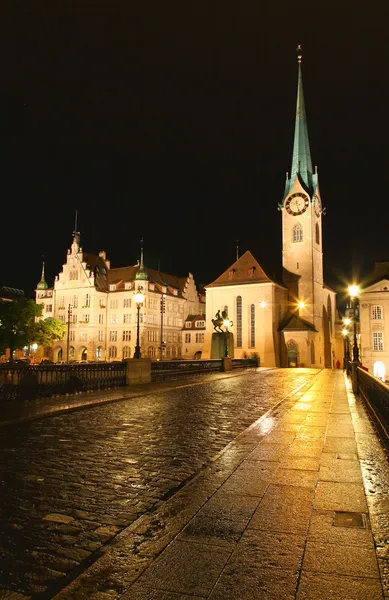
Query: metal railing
{"points": [[30, 382], [375, 396], [38, 381], [172, 369]]}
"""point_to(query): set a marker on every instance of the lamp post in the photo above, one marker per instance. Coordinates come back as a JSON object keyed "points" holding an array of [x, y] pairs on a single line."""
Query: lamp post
{"points": [[353, 291], [227, 323], [346, 351], [70, 308], [162, 313], [139, 299]]}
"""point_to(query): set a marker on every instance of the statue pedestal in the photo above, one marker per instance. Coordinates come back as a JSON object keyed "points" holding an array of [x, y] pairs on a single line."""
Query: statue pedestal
{"points": [[218, 345]]}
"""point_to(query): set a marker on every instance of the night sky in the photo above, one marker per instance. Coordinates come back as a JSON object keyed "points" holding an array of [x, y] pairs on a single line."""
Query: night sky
{"points": [[174, 122]]}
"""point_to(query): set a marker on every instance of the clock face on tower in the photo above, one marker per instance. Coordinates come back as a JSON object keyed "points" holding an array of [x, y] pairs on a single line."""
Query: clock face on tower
{"points": [[297, 203], [317, 206]]}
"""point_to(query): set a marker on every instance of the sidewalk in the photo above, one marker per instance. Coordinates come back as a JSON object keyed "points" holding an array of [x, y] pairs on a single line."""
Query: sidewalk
{"points": [[295, 508]]}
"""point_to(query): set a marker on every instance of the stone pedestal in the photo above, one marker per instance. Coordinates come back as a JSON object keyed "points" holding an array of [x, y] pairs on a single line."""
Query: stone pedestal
{"points": [[138, 370], [218, 345]]}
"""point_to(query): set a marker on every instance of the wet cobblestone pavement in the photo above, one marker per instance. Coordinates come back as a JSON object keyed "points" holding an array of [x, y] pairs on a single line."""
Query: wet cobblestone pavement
{"points": [[72, 482]]}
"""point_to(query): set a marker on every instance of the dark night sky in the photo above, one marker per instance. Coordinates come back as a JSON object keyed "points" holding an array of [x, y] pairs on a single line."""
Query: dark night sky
{"points": [[175, 122]]}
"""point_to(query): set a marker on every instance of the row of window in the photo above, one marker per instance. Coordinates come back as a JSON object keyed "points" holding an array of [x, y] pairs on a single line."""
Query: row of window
{"points": [[198, 324], [199, 338], [114, 336]]}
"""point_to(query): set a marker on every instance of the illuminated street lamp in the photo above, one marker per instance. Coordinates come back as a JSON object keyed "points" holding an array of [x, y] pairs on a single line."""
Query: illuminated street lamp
{"points": [[353, 291], [301, 304], [139, 299]]}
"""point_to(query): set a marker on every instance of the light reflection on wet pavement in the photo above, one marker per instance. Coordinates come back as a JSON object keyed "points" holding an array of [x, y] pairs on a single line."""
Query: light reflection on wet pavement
{"points": [[71, 482]]}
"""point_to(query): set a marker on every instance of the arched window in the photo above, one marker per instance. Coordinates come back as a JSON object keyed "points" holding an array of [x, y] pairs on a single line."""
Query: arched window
{"points": [[252, 326], [126, 352], [72, 352], [99, 353], [317, 234], [297, 233], [239, 321], [112, 352]]}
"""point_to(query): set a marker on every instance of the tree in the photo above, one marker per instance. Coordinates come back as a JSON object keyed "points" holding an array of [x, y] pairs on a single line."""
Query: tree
{"points": [[48, 331], [19, 326]]}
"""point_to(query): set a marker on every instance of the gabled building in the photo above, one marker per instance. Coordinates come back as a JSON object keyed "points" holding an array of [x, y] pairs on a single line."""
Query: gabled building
{"points": [[374, 321], [193, 337], [292, 323], [97, 303]]}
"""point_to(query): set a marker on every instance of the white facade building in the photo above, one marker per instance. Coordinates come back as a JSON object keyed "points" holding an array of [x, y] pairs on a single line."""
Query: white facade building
{"points": [[293, 323], [97, 303], [374, 322]]}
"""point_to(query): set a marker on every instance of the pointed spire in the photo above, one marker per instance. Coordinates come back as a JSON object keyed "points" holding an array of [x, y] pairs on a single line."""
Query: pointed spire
{"points": [[237, 249], [141, 273], [76, 233], [301, 162], [42, 285]]}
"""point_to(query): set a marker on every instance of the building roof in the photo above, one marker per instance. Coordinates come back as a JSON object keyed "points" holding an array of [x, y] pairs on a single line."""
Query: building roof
{"points": [[301, 160], [193, 319], [9, 293], [245, 270], [293, 322], [379, 272]]}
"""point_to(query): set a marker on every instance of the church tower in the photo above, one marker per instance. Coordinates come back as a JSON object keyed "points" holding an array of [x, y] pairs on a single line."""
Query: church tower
{"points": [[302, 255]]}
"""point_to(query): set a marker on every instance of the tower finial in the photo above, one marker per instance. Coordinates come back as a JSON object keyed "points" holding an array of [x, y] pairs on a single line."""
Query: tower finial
{"points": [[299, 51], [76, 233], [141, 273], [237, 249], [42, 285]]}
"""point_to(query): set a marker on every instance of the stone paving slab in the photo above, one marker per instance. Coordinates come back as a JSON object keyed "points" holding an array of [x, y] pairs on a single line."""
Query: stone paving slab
{"points": [[288, 519]]}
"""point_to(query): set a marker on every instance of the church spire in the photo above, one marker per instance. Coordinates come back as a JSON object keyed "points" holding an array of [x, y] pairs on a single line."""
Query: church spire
{"points": [[301, 161], [42, 285], [141, 273]]}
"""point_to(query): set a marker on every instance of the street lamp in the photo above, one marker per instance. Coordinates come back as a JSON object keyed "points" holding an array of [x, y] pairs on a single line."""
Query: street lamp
{"points": [[139, 299], [70, 308], [227, 323], [353, 291]]}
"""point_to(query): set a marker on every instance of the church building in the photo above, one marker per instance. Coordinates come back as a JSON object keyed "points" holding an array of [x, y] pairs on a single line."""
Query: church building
{"points": [[290, 323]]}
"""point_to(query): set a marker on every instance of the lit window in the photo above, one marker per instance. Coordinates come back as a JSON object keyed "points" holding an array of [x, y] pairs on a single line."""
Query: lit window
{"points": [[188, 324], [376, 312], [200, 323], [297, 233], [239, 321], [378, 341]]}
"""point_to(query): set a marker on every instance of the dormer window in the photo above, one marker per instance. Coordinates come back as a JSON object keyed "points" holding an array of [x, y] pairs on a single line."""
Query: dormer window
{"points": [[127, 286], [200, 323], [175, 292], [112, 287], [188, 324], [151, 287], [164, 289]]}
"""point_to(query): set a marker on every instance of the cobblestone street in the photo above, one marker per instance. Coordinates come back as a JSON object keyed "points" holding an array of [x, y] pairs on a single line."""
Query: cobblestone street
{"points": [[71, 482]]}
